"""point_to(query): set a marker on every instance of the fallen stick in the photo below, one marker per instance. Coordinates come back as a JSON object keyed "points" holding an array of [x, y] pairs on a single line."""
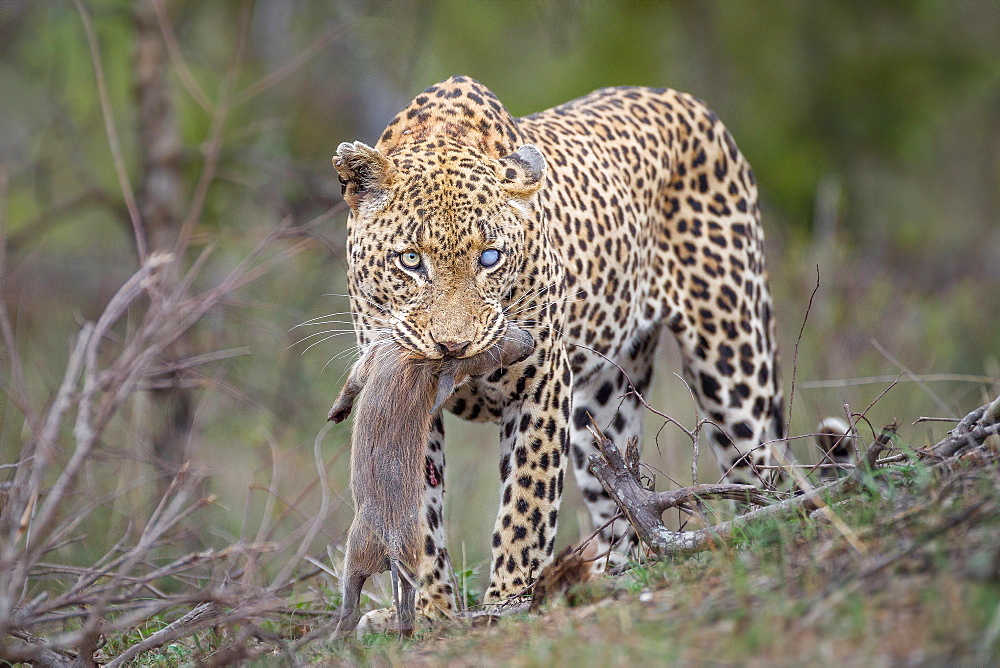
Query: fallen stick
{"points": [[619, 475], [970, 432], [643, 507]]}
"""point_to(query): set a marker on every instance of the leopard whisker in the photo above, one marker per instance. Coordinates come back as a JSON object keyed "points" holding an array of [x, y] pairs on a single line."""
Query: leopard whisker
{"points": [[320, 318], [387, 348], [380, 307], [534, 324], [331, 332], [529, 294], [316, 343], [327, 315], [326, 338], [342, 354], [324, 322], [566, 300], [357, 349]]}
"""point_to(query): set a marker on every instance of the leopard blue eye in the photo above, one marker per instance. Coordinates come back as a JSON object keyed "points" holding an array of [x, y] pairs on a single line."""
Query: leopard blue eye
{"points": [[489, 257], [410, 259]]}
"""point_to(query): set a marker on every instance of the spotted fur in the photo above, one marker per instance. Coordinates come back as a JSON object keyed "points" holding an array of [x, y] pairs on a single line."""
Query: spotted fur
{"points": [[615, 215], [837, 443]]}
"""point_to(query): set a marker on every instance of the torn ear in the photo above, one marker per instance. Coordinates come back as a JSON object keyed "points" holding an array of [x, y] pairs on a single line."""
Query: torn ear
{"points": [[522, 171], [362, 171]]}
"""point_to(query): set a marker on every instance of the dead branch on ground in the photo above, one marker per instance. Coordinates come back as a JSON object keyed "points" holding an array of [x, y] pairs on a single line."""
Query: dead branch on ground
{"points": [[619, 475], [970, 432]]}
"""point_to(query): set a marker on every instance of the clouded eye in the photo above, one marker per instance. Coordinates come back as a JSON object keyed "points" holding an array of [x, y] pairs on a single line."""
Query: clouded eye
{"points": [[410, 259], [489, 257]]}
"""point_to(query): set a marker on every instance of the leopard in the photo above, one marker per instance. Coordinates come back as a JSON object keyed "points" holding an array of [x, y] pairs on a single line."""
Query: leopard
{"points": [[596, 225]]}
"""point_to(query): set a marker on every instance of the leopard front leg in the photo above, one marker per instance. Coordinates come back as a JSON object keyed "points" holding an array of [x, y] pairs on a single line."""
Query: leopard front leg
{"points": [[436, 595], [533, 454]]}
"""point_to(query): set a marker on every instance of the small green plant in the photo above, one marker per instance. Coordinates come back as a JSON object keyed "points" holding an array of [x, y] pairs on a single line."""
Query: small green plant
{"points": [[469, 594], [638, 578]]}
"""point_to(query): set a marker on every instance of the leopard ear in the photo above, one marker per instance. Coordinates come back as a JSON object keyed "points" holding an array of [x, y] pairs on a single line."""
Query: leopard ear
{"points": [[522, 171], [362, 171]]}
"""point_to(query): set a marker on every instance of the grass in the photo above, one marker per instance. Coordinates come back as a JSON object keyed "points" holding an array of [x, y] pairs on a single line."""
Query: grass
{"points": [[925, 591], [922, 589]]}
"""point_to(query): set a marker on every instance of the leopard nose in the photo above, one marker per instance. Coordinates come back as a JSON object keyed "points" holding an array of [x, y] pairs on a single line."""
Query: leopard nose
{"points": [[453, 348]]}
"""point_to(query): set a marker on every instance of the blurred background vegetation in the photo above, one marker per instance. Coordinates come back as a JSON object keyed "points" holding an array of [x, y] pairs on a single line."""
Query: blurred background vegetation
{"points": [[873, 128]]}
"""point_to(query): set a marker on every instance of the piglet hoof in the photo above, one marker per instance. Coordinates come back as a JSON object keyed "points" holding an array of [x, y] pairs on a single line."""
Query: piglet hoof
{"points": [[345, 627], [518, 345], [339, 411]]}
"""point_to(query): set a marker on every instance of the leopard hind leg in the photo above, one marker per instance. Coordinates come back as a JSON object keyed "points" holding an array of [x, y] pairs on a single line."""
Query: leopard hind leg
{"points": [[731, 368], [605, 395]]}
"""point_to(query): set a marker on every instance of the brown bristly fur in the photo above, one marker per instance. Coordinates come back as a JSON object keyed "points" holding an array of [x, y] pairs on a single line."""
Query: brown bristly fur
{"points": [[572, 566], [396, 397]]}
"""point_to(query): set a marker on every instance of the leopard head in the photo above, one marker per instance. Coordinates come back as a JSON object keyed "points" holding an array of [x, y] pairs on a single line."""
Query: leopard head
{"points": [[438, 235]]}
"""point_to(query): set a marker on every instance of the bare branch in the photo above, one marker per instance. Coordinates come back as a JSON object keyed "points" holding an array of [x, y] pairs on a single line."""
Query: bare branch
{"points": [[923, 418], [28, 481], [643, 507], [109, 127], [214, 143], [795, 356], [290, 67], [167, 634], [177, 58], [992, 412], [35, 651], [86, 429], [16, 388], [912, 378], [324, 508], [971, 431], [46, 505]]}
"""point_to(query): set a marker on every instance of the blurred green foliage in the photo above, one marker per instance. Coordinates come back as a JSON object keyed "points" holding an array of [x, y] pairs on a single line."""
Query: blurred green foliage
{"points": [[874, 130]]}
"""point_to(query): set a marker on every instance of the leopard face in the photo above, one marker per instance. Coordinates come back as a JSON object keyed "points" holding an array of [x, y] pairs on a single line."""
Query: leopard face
{"points": [[436, 240]]}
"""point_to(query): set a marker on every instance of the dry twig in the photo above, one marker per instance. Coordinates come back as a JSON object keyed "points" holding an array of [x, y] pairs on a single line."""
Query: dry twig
{"points": [[643, 507], [58, 614], [38, 517], [971, 431]]}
